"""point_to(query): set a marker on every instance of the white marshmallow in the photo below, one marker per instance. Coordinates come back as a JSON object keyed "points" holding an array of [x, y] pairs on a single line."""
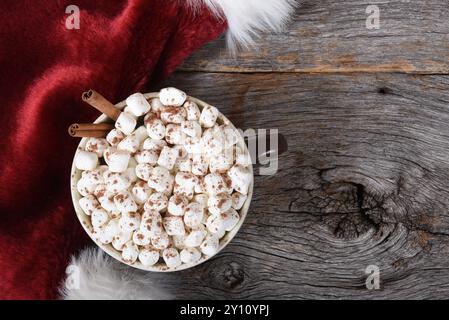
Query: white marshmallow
{"points": [[112, 229], [98, 234], [193, 145], [116, 182], [182, 152], [191, 128], [172, 97], [137, 104], [93, 176], [106, 233], [182, 191], [151, 223], [115, 136], [230, 219], [178, 241], [228, 184], [200, 165], [201, 199], [147, 156], [186, 180], [212, 141], [185, 184], [160, 179], [115, 214], [242, 157], [154, 145], [98, 218], [177, 205], [155, 128], [219, 203], [220, 234], [129, 221], [143, 171], [117, 160], [141, 239], [148, 256], [221, 162], [171, 257], [195, 238], [169, 190], [241, 178], [85, 160], [157, 201], [141, 192], [85, 187], [199, 186], [168, 157], [125, 202], [174, 134], [126, 123], [128, 111], [156, 104], [193, 215], [193, 112], [173, 114], [190, 255], [160, 241], [215, 224], [210, 245], [238, 200], [184, 164], [130, 174], [130, 144], [174, 226], [208, 116], [121, 239], [130, 252], [215, 184], [141, 134], [88, 204], [97, 145], [107, 202], [100, 190], [231, 136]]}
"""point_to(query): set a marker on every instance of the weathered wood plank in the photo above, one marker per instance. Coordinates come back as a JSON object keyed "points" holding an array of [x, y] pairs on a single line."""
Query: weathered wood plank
{"points": [[331, 36], [365, 182]]}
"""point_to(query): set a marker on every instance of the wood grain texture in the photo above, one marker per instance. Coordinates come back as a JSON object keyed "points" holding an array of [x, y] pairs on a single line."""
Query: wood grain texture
{"points": [[366, 178], [330, 36], [365, 182]]}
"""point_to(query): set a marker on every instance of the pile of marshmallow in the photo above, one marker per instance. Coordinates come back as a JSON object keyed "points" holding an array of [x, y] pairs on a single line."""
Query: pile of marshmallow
{"points": [[167, 182]]}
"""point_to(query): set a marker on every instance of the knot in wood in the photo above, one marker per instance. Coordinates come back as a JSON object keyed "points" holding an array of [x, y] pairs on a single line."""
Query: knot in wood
{"points": [[228, 274], [344, 207]]}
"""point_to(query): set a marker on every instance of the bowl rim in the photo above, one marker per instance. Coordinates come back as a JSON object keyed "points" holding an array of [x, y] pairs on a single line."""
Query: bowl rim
{"points": [[158, 267]]}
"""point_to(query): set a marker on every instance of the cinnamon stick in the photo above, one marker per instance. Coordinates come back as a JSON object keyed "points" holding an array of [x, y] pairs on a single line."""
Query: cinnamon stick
{"points": [[100, 103], [94, 130]]}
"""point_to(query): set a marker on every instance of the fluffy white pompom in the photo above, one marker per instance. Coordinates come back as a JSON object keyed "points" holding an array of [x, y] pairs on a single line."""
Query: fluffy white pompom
{"points": [[248, 18], [100, 277]]}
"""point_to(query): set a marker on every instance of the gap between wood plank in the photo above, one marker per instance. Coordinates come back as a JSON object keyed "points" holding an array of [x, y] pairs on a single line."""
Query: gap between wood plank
{"points": [[330, 72]]}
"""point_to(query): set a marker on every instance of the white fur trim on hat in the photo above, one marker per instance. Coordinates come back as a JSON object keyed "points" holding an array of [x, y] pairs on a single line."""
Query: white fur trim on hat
{"points": [[97, 276], [248, 18]]}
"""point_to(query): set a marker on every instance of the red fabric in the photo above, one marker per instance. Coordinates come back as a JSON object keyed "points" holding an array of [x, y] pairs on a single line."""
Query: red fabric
{"points": [[120, 47]]}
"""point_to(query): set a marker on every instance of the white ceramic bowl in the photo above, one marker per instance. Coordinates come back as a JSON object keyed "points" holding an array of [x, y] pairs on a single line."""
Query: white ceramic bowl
{"points": [[160, 266]]}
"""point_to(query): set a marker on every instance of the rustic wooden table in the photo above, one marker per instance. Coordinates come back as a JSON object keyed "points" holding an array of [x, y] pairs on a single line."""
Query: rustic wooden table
{"points": [[366, 178]]}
